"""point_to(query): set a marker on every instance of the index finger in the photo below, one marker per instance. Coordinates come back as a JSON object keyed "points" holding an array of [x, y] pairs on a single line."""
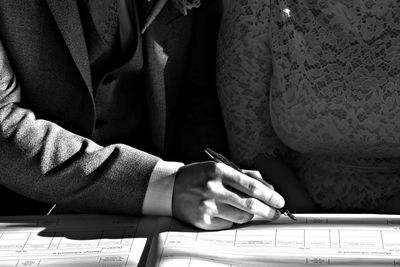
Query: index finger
{"points": [[251, 187]]}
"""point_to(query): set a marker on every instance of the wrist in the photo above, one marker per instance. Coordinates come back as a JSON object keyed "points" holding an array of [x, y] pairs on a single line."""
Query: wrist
{"points": [[158, 198]]}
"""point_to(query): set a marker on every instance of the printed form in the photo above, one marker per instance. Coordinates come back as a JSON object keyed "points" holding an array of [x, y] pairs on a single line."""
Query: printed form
{"points": [[70, 240], [336, 240]]}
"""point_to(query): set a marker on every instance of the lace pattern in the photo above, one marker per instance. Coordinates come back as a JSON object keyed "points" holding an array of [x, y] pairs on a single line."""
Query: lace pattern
{"points": [[244, 69], [323, 77]]}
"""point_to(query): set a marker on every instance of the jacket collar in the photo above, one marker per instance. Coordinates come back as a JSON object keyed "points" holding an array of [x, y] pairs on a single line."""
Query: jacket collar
{"points": [[66, 15]]}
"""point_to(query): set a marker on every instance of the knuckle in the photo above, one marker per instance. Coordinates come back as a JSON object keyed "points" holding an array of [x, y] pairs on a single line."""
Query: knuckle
{"points": [[203, 206], [211, 187], [250, 204], [203, 218], [212, 170], [207, 207], [252, 188]]}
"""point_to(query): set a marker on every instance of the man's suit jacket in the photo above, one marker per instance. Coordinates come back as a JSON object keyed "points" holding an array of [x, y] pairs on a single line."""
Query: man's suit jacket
{"points": [[47, 111]]}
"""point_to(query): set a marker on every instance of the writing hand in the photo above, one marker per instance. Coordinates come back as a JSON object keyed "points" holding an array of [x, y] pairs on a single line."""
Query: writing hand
{"points": [[213, 196]]}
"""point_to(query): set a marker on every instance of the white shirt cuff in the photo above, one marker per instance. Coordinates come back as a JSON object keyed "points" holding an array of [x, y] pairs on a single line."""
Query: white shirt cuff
{"points": [[158, 198]]}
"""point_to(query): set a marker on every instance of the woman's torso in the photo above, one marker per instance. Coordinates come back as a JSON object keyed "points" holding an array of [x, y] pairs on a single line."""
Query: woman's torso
{"points": [[335, 97]]}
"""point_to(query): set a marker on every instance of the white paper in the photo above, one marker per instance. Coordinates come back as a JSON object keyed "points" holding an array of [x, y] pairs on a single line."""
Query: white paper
{"points": [[336, 240], [70, 240]]}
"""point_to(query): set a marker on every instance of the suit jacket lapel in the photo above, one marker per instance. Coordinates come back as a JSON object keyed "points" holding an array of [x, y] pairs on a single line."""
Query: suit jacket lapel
{"points": [[66, 15], [166, 42], [166, 46], [167, 15]]}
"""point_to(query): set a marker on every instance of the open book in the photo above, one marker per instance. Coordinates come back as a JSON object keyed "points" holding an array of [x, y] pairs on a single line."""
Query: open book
{"points": [[100, 240], [73, 240], [318, 240]]}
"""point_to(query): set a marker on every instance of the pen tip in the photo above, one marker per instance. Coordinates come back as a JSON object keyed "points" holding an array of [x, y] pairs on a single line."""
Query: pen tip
{"points": [[291, 216], [288, 213]]}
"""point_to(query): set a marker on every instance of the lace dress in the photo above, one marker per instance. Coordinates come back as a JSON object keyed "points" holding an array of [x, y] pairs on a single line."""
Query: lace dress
{"points": [[318, 80]]}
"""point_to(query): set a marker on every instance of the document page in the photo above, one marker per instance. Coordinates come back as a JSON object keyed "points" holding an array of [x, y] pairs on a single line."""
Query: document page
{"points": [[70, 240], [337, 240]]}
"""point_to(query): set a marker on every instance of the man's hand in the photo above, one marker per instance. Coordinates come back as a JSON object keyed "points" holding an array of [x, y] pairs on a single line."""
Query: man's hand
{"points": [[213, 196]]}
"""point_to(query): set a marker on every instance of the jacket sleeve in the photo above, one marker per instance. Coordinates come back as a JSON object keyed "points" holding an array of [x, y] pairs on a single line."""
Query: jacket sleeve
{"points": [[41, 160]]}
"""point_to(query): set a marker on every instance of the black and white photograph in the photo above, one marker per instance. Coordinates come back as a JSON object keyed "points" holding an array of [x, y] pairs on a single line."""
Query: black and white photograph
{"points": [[199, 133]]}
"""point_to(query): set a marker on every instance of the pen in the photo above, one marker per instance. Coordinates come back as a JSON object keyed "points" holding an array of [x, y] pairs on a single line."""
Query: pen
{"points": [[220, 158]]}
